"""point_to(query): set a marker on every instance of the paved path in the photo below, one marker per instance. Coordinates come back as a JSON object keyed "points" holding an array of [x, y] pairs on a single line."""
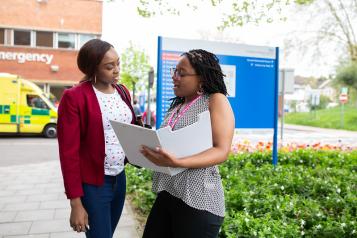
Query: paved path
{"points": [[33, 204], [300, 134]]}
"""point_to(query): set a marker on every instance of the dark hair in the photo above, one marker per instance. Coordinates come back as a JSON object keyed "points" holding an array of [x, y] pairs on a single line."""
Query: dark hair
{"points": [[90, 55], [206, 65]]}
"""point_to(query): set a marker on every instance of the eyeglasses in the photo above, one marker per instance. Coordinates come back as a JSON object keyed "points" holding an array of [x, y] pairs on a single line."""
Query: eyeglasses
{"points": [[178, 74]]}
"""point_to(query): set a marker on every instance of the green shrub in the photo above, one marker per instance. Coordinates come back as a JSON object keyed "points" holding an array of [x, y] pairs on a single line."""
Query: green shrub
{"points": [[139, 189], [310, 194]]}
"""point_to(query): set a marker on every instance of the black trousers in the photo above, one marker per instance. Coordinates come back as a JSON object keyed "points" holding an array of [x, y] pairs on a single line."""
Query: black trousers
{"points": [[170, 217]]}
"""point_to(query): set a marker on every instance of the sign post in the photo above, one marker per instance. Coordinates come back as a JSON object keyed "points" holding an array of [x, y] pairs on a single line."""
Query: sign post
{"points": [[286, 85], [283, 108], [315, 101], [150, 84], [343, 100]]}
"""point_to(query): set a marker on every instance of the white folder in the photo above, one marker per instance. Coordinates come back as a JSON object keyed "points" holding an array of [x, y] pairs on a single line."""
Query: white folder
{"points": [[187, 141]]}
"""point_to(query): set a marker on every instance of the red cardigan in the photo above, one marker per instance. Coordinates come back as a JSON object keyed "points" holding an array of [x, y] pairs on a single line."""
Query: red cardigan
{"points": [[81, 138]]}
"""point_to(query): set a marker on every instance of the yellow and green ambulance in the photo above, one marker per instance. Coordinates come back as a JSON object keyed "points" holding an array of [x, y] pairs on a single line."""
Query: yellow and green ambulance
{"points": [[24, 108]]}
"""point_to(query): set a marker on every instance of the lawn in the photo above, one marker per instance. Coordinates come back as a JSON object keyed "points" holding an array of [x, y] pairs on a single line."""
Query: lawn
{"points": [[326, 118]]}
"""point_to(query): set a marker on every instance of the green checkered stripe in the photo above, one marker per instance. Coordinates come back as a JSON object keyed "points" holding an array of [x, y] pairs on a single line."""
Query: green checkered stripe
{"points": [[26, 119], [5, 110], [40, 112]]}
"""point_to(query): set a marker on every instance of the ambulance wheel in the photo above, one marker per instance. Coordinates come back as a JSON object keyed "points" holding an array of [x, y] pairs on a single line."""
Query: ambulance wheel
{"points": [[50, 131]]}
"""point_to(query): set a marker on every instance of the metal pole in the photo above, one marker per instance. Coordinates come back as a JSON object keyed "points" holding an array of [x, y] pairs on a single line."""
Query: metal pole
{"points": [[276, 105], [49, 90], [148, 113], [134, 89], [343, 115], [18, 121], [283, 102], [150, 84]]}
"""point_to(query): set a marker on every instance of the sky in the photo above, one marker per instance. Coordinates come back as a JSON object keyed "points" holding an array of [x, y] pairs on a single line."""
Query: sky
{"points": [[122, 25]]}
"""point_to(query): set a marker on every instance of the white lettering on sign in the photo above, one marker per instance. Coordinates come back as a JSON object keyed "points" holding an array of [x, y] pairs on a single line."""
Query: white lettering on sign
{"points": [[21, 57]]}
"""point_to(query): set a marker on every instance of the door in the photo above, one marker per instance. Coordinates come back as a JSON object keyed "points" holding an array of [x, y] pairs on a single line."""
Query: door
{"points": [[8, 105], [35, 114]]}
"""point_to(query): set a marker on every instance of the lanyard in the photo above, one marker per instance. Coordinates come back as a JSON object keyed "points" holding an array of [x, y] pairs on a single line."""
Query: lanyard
{"points": [[181, 113]]}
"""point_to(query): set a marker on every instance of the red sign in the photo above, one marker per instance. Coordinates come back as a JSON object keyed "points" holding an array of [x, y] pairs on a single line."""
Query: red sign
{"points": [[343, 98]]}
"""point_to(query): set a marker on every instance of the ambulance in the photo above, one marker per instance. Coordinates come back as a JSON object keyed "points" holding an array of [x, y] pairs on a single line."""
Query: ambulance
{"points": [[24, 108]]}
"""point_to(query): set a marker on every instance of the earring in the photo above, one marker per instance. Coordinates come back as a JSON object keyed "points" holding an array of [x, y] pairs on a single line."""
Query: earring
{"points": [[95, 79], [200, 91]]}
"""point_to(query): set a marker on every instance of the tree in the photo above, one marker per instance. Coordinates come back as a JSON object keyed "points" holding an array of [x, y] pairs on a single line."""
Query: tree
{"points": [[242, 12], [334, 21], [335, 24], [134, 67], [347, 75]]}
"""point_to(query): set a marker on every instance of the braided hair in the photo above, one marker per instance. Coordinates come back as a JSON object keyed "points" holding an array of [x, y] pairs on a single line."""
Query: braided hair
{"points": [[206, 65]]}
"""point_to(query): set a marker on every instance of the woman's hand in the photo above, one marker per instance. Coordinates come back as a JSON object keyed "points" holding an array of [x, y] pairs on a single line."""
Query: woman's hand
{"points": [[79, 216], [160, 157]]}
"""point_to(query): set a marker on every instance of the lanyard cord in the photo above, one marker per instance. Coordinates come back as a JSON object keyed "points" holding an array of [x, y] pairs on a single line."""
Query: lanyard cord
{"points": [[172, 124]]}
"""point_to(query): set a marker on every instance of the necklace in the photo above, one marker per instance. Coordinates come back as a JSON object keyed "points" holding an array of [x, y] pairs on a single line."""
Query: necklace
{"points": [[180, 114]]}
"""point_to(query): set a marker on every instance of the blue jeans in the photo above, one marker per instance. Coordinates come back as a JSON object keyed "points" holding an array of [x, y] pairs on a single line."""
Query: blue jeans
{"points": [[104, 205]]}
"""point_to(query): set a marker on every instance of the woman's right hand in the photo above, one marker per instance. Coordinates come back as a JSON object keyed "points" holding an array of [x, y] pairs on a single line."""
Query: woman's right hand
{"points": [[79, 216]]}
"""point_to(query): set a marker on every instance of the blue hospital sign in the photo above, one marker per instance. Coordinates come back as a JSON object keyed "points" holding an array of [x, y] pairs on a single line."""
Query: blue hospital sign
{"points": [[251, 73], [251, 80]]}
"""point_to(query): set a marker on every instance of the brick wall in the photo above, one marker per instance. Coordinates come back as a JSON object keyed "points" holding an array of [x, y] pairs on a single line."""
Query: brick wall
{"points": [[55, 15], [65, 59]]}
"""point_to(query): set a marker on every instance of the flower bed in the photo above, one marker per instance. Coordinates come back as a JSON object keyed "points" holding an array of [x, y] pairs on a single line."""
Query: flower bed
{"points": [[247, 146], [312, 193]]}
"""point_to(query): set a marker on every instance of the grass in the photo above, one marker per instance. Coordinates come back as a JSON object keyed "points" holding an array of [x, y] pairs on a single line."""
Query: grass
{"points": [[326, 118]]}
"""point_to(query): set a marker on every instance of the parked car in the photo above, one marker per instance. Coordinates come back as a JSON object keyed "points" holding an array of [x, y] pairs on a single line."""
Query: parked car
{"points": [[152, 118]]}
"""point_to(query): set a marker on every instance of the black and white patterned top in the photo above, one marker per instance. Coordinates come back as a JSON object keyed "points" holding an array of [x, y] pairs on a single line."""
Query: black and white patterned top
{"points": [[199, 188]]}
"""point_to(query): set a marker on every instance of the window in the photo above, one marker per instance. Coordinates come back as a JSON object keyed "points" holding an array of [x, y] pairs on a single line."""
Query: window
{"points": [[8, 37], [22, 37], [36, 102], [66, 40], [44, 38], [2, 36], [83, 38]]}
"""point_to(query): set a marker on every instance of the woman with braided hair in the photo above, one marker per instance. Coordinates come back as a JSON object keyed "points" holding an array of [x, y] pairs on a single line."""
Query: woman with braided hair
{"points": [[191, 203]]}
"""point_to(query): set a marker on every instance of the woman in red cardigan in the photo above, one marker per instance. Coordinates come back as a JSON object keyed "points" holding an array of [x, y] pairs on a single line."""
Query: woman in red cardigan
{"points": [[92, 159]]}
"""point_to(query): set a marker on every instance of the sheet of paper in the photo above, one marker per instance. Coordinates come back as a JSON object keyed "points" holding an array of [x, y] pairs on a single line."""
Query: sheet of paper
{"points": [[131, 137], [187, 141]]}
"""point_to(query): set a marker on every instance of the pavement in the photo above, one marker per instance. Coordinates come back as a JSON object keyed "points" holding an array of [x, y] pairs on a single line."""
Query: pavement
{"points": [[33, 204], [324, 135], [318, 129], [299, 134]]}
